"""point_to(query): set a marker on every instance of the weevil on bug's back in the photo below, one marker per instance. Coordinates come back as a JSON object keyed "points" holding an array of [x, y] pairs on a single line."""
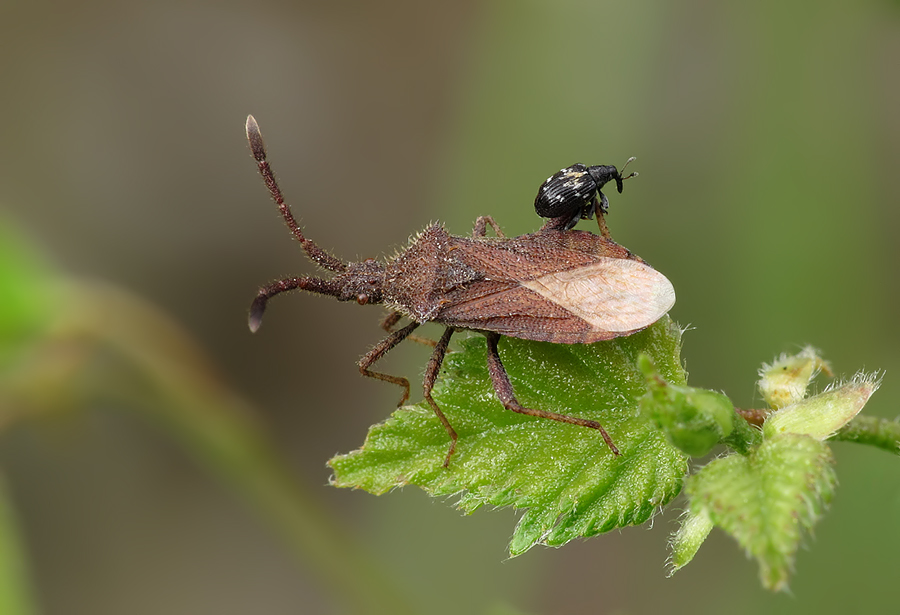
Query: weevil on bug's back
{"points": [[571, 194], [556, 285]]}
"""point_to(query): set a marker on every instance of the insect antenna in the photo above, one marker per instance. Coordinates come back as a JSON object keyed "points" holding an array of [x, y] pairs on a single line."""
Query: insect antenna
{"points": [[619, 178], [622, 170], [313, 251], [313, 285]]}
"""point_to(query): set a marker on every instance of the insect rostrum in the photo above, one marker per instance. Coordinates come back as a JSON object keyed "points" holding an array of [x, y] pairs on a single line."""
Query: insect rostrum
{"points": [[555, 285]]}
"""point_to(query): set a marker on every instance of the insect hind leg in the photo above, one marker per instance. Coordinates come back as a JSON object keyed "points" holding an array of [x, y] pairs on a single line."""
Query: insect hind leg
{"points": [[481, 224], [505, 393]]}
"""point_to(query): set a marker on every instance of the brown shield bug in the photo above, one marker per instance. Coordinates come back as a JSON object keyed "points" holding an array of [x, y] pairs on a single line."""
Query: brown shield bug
{"points": [[555, 285]]}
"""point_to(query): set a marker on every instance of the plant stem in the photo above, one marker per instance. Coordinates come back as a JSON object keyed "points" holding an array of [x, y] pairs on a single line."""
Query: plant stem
{"points": [[16, 591], [874, 431], [744, 437]]}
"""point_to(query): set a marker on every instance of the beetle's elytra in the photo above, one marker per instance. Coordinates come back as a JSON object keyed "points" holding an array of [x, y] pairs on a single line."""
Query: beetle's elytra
{"points": [[555, 285]]}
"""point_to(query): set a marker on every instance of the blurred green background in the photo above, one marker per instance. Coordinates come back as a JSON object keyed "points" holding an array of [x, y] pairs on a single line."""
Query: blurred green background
{"points": [[768, 141]]}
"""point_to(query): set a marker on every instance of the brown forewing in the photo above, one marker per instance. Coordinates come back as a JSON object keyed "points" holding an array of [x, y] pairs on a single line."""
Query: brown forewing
{"points": [[564, 287], [513, 310], [531, 256]]}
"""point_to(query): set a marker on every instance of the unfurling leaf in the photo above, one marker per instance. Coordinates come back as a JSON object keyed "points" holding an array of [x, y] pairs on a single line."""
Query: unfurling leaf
{"points": [[767, 499], [694, 420], [785, 380]]}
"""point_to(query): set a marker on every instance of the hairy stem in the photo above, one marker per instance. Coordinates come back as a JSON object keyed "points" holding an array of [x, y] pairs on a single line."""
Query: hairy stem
{"points": [[873, 431]]}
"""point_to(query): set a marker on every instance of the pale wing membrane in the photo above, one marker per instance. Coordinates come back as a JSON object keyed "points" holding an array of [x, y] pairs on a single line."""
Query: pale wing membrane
{"points": [[613, 295], [596, 297]]}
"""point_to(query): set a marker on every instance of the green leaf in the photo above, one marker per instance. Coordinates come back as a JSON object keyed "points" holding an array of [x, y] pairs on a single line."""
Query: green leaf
{"points": [[766, 499], [566, 478]]}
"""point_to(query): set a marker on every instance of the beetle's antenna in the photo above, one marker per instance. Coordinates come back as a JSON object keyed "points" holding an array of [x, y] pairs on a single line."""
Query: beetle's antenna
{"points": [[313, 251], [618, 176], [633, 173]]}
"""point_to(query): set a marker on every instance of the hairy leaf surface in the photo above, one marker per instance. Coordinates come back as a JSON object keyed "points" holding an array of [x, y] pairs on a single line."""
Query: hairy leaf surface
{"points": [[767, 499], [567, 480]]}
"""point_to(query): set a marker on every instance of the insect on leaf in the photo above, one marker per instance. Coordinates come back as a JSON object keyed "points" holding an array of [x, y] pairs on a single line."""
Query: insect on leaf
{"points": [[564, 476]]}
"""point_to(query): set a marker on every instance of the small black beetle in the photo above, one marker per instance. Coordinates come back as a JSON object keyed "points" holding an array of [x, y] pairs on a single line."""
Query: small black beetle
{"points": [[572, 192]]}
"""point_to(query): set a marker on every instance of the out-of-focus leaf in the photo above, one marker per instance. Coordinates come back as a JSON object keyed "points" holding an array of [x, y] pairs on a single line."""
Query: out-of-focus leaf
{"points": [[26, 291]]}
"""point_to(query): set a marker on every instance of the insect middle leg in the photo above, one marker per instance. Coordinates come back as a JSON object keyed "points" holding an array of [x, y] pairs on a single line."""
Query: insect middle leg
{"points": [[431, 373], [481, 224], [380, 349], [507, 397]]}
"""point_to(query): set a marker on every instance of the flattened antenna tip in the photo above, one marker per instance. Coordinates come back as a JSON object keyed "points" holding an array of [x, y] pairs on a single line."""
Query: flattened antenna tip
{"points": [[254, 137], [254, 319]]}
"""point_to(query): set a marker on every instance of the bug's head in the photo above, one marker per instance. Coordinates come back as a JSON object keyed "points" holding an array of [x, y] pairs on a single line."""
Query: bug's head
{"points": [[361, 282]]}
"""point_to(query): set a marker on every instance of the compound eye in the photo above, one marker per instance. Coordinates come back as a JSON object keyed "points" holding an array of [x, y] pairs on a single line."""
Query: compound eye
{"points": [[362, 298]]}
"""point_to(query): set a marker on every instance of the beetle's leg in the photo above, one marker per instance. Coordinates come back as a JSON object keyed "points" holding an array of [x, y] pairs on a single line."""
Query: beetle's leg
{"points": [[431, 373], [481, 223], [601, 207], [507, 397], [561, 223], [379, 351], [393, 318]]}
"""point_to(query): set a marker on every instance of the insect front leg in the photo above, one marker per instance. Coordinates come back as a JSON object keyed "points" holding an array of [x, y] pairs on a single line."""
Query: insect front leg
{"points": [[431, 373], [481, 223], [379, 351], [391, 320], [601, 208], [507, 397]]}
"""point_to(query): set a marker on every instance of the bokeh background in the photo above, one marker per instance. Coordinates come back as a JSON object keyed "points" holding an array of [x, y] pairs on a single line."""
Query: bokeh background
{"points": [[768, 142]]}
